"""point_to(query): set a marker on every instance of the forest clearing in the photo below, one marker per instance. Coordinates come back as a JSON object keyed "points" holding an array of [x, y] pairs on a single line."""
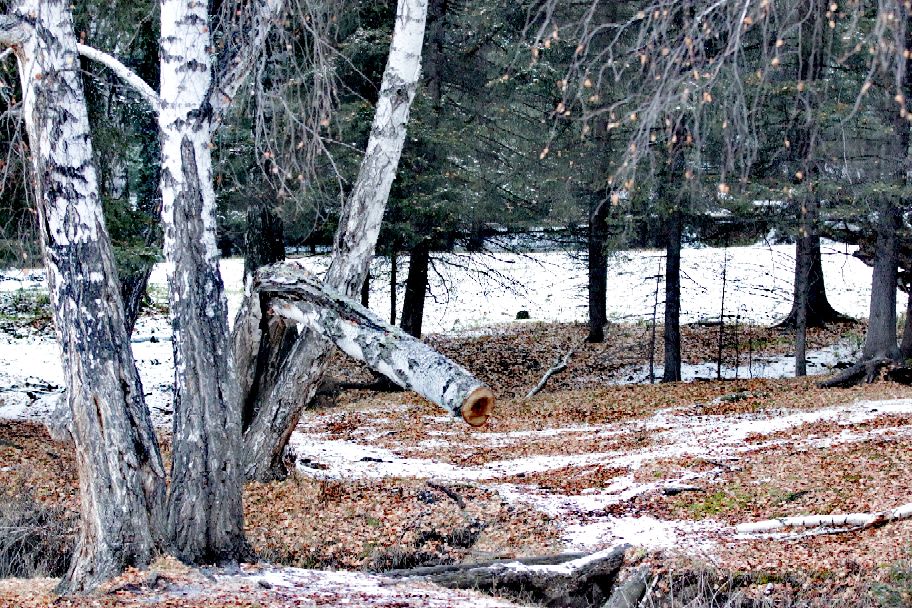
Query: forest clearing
{"points": [[455, 303], [387, 481]]}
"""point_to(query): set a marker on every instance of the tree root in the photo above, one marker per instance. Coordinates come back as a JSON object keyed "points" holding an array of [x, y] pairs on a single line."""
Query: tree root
{"points": [[866, 372]]}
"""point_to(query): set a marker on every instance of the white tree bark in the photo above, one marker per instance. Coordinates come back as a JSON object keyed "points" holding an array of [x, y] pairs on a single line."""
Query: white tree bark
{"points": [[298, 296], [121, 476], [288, 366], [205, 513], [845, 520]]}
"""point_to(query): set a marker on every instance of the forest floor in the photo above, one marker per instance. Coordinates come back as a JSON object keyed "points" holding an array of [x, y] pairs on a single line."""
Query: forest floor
{"points": [[384, 481]]}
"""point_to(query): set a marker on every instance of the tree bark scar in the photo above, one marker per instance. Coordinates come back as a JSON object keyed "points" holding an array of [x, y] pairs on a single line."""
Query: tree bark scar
{"points": [[97, 403]]}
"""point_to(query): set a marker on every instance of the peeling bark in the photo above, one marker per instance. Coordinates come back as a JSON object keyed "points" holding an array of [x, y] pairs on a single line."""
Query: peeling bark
{"points": [[121, 477], [294, 362], [205, 513], [299, 297]]}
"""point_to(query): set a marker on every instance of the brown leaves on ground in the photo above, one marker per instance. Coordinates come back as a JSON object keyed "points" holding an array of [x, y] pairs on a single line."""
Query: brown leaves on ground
{"points": [[387, 524]]}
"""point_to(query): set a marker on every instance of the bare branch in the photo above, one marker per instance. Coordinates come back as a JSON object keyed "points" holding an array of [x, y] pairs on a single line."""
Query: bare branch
{"points": [[123, 72]]}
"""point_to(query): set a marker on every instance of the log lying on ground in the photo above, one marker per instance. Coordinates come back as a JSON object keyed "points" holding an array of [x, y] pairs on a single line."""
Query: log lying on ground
{"points": [[846, 520], [298, 296], [564, 580]]}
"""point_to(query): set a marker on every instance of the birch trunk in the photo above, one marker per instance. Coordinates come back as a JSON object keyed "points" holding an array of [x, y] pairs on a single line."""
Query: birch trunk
{"points": [[291, 365], [205, 513], [298, 296], [121, 477]]}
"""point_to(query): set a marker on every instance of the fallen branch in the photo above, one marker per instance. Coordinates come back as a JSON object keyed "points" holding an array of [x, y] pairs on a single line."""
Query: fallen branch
{"points": [[564, 580], [298, 296], [860, 521], [559, 365]]}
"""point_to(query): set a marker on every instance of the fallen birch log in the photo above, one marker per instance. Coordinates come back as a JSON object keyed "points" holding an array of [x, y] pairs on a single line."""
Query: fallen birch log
{"points": [[847, 520], [298, 296], [566, 580]]}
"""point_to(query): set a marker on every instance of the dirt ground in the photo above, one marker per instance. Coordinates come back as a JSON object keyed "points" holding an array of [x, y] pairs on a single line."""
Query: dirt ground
{"points": [[383, 480]]}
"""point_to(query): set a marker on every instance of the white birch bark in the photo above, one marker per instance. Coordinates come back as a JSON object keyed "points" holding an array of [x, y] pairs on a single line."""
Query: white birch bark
{"points": [[291, 366], [205, 513], [298, 296], [121, 477], [845, 520]]}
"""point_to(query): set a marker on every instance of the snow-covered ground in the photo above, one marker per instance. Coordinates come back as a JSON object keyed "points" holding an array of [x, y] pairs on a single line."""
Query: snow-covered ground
{"points": [[470, 291], [587, 521], [474, 291]]}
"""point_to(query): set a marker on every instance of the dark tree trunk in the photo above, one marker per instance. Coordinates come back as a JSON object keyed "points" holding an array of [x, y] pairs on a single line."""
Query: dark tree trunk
{"points": [[905, 349], [205, 509], [416, 286], [880, 339], [394, 267], [121, 476], [365, 291], [802, 284], [597, 244], [807, 253], [264, 239], [675, 229]]}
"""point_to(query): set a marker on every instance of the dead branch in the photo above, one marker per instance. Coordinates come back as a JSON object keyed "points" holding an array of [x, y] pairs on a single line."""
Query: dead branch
{"points": [[559, 365], [858, 521], [563, 580]]}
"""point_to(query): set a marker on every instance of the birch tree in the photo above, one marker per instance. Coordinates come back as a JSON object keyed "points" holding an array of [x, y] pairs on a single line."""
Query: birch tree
{"points": [[121, 476], [279, 368]]}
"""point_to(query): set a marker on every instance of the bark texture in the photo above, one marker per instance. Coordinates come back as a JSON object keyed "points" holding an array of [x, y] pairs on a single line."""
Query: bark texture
{"points": [[121, 477], [416, 286], [205, 513], [597, 250], [299, 297], [564, 581], [292, 363], [672, 334], [880, 339]]}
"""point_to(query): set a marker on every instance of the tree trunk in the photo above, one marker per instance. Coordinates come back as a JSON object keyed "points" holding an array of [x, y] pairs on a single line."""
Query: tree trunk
{"points": [[394, 267], [416, 286], [672, 340], [296, 295], [597, 245], [807, 251], [880, 339], [565, 581], [802, 283], [121, 477], [293, 363], [205, 512], [264, 239], [905, 349]]}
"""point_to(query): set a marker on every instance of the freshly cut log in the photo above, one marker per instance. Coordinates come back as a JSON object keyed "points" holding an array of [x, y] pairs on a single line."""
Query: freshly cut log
{"points": [[566, 581], [296, 295]]}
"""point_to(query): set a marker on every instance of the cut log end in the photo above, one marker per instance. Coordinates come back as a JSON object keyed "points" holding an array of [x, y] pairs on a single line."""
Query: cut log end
{"points": [[478, 406]]}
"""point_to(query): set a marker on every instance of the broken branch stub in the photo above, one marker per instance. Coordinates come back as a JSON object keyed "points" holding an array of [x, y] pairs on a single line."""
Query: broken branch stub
{"points": [[297, 295]]}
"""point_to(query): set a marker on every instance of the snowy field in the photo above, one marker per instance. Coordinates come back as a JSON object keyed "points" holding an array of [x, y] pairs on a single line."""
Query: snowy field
{"points": [[472, 292]]}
